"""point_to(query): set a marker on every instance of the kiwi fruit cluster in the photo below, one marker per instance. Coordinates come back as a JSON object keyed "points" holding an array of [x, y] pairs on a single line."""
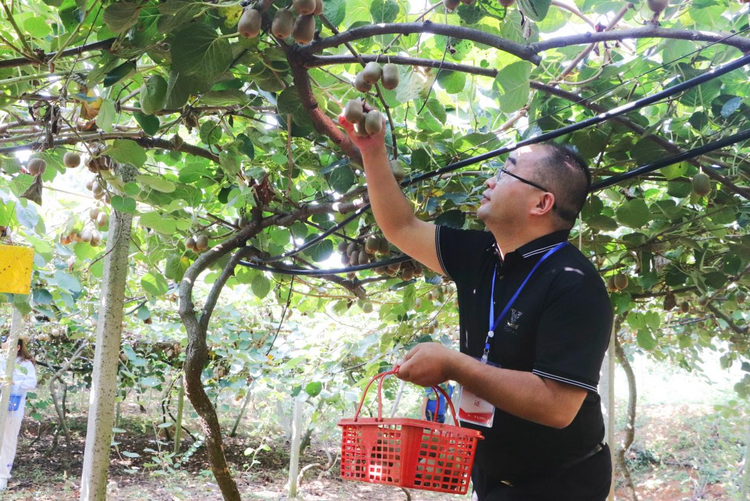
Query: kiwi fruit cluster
{"points": [[355, 254], [197, 243], [284, 23], [372, 73], [365, 123], [86, 235], [98, 189], [617, 282]]}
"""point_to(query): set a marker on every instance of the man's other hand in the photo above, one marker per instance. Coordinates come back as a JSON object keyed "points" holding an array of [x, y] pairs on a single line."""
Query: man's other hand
{"points": [[427, 364]]}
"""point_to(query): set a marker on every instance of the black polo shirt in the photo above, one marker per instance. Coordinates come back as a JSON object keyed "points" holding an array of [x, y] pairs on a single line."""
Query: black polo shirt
{"points": [[558, 328]]}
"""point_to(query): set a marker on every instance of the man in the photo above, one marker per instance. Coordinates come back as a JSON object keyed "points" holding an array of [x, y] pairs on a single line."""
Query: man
{"points": [[530, 385]]}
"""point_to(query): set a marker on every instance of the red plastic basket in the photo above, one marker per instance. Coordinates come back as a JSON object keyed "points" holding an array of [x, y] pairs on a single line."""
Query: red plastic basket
{"points": [[405, 452]]}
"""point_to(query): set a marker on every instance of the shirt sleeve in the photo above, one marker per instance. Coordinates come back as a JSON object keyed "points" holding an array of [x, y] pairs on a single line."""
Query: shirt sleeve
{"points": [[574, 332], [24, 377], [459, 251]]}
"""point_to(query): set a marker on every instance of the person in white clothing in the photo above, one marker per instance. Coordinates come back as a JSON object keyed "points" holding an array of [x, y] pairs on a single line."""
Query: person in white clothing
{"points": [[24, 380]]}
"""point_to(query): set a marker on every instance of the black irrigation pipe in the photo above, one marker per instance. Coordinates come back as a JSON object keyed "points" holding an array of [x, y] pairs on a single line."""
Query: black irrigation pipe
{"points": [[633, 106], [645, 169], [664, 162]]}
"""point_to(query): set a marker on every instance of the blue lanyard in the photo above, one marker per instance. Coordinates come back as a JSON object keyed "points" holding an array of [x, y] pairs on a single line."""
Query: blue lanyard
{"points": [[495, 323]]}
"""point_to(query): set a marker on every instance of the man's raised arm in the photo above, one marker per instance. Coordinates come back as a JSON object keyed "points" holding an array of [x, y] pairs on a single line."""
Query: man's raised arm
{"points": [[392, 211]]}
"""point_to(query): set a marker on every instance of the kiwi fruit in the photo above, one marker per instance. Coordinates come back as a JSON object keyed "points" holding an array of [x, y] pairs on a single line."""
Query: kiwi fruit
{"points": [[177, 141], [372, 72], [345, 259], [685, 307], [451, 4], [190, 243], [249, 25], [398, 169], [304, 7], [363, 257], [418, 269], [373, 122], [71, 159], [669, 302], [407, 274], [341, 247], [621, 281], [367, 307], [86, 235], [36, 166], [611, 284], [353, 111], [94, 213], [102, 220], [507, 3], [351, 275], [351, 247], [98, 191], [701, 184], [657, 6], [372, 244], [390, 76], [383, 247], [96, 238], [283, 23], [417, 303], [467, 2], [740, 297], [394, 266], [359, 127], [702, 300], [201, 243], [318, 8], [90, 184], [360, 84], [304, 29]]}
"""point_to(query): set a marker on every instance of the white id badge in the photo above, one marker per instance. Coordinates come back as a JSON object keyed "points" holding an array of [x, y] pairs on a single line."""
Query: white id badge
{"points": [[475, 410]]}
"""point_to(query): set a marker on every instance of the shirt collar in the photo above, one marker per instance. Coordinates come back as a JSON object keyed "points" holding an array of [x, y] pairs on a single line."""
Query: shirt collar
{"points": [[536, 248]]}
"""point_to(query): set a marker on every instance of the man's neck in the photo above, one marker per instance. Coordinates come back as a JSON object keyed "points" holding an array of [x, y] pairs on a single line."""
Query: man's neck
{"points": [[508, 242]]}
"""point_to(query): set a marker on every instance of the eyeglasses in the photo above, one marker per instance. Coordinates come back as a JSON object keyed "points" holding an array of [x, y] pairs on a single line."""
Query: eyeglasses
{"points": [[502, 171]]}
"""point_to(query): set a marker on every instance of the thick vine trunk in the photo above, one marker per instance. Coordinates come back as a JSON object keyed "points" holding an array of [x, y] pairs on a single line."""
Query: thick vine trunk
{"points": [[108, 334], [630, 426]]}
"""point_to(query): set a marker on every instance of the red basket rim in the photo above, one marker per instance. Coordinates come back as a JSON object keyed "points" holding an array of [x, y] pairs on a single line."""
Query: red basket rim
{"points": [[421, 423]]}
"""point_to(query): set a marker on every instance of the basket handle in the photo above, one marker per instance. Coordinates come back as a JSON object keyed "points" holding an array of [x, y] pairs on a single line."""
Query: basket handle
{"points": [[382, 376]]}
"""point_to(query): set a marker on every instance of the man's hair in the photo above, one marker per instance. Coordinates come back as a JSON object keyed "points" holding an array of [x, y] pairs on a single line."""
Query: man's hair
{"points": [[566, 174]]}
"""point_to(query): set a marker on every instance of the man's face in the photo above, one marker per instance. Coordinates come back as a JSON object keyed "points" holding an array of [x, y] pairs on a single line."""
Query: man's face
{"points": [[507, 200]]}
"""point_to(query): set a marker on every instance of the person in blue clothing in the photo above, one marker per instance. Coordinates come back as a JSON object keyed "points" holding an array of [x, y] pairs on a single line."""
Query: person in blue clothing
{"points": [[430, 402]]}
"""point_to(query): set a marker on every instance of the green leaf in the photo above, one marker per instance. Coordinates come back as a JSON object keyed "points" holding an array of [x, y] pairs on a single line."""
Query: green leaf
{"points": [[123, 204], [198, 49], [335, 11], [154, 283], [536, 10], [731, 106], [193, 172], [452, 81], [646, 339], [675, 171], [320, 251], [176, 267], [384, 11], [67, 282], [106, 116], [175, 13], [127, 152], [313, 389], [246, 146], [634, 213], [156, 183], [210, 132], [181, 87], [119, 73], [42, 296], [149, 123], [514, 80], [261, 286], [120, 16], [159, 222], [341, 179]]}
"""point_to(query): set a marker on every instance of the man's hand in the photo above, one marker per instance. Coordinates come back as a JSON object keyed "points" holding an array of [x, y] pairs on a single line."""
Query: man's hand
{"points": [[427, 364], [368, 145]]}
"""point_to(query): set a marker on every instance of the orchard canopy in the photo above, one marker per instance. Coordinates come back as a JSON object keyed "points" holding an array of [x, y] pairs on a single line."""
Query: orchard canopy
{"points": [[223, 143]]}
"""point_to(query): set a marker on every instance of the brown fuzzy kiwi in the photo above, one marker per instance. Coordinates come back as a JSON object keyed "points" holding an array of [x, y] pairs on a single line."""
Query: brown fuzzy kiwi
{"points": [[36, 166], [507, 3], [383, 246], [451, 4], [283, 23], [249, 25], [201, 243], [702, 300], [611, 284], [353, 111], [341, 247], [345, 259], [372, 244], [71, 159], [360, 84], [407, 274], [467, 2], [360, 128], [657, 6], [621, 281], [394, 266], [740, 297], [373, 122], [304, 29], [318, 8], [669, 302], [701, 184], [190, 243], [363, 257], [685, 307], [102, 220], [390, 76], [304, 7], [372, 72], [398, 169], [351, 247]]}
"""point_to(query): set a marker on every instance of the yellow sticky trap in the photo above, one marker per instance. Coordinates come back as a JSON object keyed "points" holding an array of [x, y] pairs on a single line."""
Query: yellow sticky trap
{"points": [[16, 265]]}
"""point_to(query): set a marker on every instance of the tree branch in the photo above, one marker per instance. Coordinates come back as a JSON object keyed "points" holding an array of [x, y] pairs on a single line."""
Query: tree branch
{"points": [[317, 61], [739, 331], [218, 285], [730, 39], [667, 145], [521, 51], [22, 61]]}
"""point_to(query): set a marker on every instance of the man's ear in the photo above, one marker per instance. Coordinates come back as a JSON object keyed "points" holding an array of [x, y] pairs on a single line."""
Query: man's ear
{"points": [[545, 204]]}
